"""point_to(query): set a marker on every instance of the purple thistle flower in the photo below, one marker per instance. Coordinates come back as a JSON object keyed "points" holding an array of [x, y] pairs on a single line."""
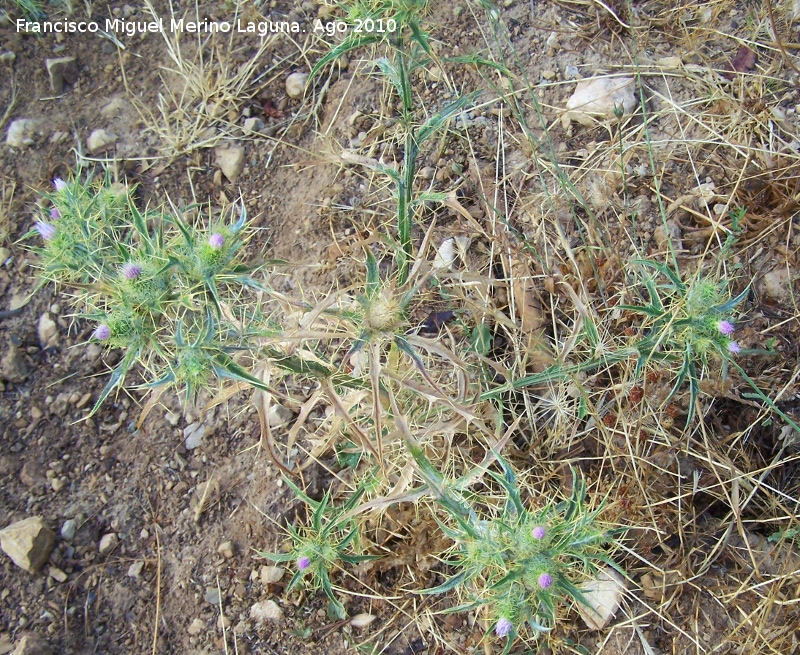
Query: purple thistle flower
{"points": [[216, 241], [725, 328], [303, 563], [734, 347], [45, 230], [131, 271], [55, 214], [59, 184], [545, 580], [538, 532], [502, 627], [102, 332]]}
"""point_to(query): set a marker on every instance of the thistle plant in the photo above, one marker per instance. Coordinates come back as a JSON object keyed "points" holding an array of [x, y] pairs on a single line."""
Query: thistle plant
{"points": [[330, 540], [516, 563], [167, 292]]}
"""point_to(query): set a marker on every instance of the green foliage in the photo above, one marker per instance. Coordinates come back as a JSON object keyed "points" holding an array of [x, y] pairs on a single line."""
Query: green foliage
{"points": [[165, 291], [331, 539]]}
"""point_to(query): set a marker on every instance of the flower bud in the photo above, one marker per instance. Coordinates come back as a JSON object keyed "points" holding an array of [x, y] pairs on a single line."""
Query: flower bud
{"points": [[55, 214], [216, 241], [102, 332], [538, 532], [303, 563], [503, 627], [545, 580], [131, 271], [45, 230], [59, 184], [725, 328], [734, 347]]}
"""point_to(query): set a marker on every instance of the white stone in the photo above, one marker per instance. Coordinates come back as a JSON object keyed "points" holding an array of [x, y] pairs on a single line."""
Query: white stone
{"points": [[100, 140], [107, 542], [47, 330], [296, 85], [603, 596], [193, 435], [230, 160], [271, 574], [68, 529], [599, 98], [21, 132], [777, 285], [135, 569], [266, 610]]}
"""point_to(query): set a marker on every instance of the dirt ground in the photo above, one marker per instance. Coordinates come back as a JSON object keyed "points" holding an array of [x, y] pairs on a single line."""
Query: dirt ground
{"points": [[156, 543]]}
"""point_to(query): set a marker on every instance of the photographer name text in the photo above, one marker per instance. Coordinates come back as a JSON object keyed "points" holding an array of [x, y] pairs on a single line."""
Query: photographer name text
{"points": [[261, 28]]}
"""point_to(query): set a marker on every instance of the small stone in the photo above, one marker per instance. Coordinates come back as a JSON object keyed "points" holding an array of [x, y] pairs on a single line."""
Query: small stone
{"points": [[57, 574], [21, 132], [62, 71], [36, 413], [107, 542], [266, 610], [28, 543], [603, 596], [32, 475], [296, 85], [600, 98], [252, 125], [777, 285], [48, 331], [113, 108], [100, 141], [213, 596], [8, 55], [68, 529], [549, 75], [196, 627], [271, 574], [223, 622], [230, 159], [13, 367], [226, 549], [278, 415], [193, 435], [32, 644], [135, 569], [57, 484]]}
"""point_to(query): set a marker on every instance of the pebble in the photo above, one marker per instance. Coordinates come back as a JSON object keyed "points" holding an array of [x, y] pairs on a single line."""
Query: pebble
{"points": [[31, 644], [100, 141], [113, 108], [266, 610], [213, 596], [68, 529], [107, 542], [777, 285], [28, 543], [193, 435], [135, 569], [13, 367], [32, 475], [226, 549], [196, 627], [48, 331], [21, 132], [57, 574], [223, 622], [599, 97], [278, 415], [253, 125], [62, 71], [230, 160], [8, 55], [296, 85], [271, 574]]}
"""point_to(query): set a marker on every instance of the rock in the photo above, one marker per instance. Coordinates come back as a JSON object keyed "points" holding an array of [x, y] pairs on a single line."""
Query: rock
{"points": [[296, 85], [360, 621], [100, 141], [603, 596], [21, 132], [196, 627], [32, 644], [62, 71], [223, 622], [28, 543], [266, 610], [668, 236], [600, 98], [226, 549], [135, 569], [777, 285], [13, 367], [193, 435], [213, 595], [253, 125], [278, 415], [68, 529], [57, 574], [113, 108], [33, 476], [271, 574], [230, 159], [48, 331], [107, 543]]}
